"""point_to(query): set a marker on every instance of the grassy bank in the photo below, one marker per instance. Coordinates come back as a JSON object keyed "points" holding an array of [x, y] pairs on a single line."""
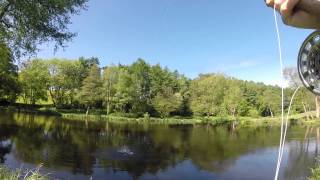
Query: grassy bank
{"points": [[121, 119], [6, 174], [298, 119]]}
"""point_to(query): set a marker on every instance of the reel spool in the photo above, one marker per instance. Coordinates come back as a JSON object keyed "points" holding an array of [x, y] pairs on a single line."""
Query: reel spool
{"points": [[309, 63]]}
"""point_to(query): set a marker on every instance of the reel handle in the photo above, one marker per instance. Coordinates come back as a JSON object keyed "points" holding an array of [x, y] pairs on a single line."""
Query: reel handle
{"points": [[311, 6]]}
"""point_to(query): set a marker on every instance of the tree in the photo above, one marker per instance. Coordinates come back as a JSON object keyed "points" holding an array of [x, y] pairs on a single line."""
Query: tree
{"points": [[303, 97], [304, 101], [9, 86], [34, 79], [207, 93], [124, 91], [271, 101], [65, 80], [90, 93], [86, 64], [167, 102], [167, 86], [251, 93], [140, 76], [233, 99], [110, 79], [24, 24]]}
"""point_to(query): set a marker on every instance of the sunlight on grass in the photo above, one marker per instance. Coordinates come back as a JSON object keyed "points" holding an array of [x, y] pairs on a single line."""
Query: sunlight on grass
{"points": [[6, 174]]}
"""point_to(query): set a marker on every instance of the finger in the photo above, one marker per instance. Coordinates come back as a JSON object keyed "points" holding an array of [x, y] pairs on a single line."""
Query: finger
{"points": [[270, 3], [278, 3], [286, 8]]}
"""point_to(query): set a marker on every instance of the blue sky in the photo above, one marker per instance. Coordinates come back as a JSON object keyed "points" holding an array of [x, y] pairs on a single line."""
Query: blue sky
{"points": [[192, 36]]}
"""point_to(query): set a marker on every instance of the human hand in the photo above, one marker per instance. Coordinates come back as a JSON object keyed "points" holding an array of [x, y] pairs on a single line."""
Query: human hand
{"points": [[298, 13]]}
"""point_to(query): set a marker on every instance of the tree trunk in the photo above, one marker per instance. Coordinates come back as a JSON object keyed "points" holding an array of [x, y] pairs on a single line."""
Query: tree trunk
{"points": [[87, 113], [317, 141], [271, 113], [304, 107], [317, 99], [108, 107], [52, 98], [305, 110], [233, 112]]}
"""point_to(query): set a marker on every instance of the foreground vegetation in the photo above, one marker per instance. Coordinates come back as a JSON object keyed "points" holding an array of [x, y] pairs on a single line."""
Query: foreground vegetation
{"points": [[315, 172], [6, 174]]}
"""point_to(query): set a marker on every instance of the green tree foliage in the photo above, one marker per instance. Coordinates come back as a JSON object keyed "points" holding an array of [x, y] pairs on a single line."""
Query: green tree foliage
{"points": [[251, 93], [207, 92], [216, 94], [304, 101], [34, 78], [24, 24], [124, 91], [271, 101], [169, 89], [167, 102], [86, 64], [110, 80], [141, 88], [9, 87], [141, 83], [65, 80], [233, 99], [90, 93]]}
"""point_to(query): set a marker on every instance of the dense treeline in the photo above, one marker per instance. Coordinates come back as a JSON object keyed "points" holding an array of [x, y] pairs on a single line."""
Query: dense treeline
{"points": [[141, 89]]}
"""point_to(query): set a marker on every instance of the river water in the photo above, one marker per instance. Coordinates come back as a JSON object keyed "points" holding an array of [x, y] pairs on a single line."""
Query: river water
{"points": [[76, 150]]}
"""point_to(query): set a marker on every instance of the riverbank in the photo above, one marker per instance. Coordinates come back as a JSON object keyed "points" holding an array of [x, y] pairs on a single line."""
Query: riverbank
{"points": [[297, 119]]}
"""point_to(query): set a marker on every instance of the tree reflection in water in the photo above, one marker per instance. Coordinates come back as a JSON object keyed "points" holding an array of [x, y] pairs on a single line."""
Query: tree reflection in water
{"points": [[77, 148]]}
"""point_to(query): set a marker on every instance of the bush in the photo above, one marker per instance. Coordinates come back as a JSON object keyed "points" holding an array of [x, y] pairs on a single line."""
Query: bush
{"points": [[146, 116], [254, 113]]}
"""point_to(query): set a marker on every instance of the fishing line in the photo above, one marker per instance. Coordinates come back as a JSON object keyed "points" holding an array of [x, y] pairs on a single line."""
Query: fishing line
{"points": [[287, 119], [284, 126], [282, 91]]}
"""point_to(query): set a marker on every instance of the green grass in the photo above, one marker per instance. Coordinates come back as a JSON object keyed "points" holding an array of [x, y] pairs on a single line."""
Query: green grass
{"points": [[300, 119], [315, 172], [119, 119], [6, 174], [98, 115]]}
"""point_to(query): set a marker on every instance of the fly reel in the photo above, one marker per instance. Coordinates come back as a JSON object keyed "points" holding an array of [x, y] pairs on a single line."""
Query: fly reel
{"points": [[309, 63]]}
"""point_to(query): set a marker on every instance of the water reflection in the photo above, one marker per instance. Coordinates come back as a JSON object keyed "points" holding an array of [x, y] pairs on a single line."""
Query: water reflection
{"points": [[74, 150]]}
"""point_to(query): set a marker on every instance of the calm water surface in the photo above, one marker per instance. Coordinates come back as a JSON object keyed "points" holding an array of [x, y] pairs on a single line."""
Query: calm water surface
{"points": [[74, 150]]}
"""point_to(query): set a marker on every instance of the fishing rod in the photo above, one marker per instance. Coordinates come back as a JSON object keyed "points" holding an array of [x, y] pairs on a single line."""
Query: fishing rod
{"points": [[309, 54]]}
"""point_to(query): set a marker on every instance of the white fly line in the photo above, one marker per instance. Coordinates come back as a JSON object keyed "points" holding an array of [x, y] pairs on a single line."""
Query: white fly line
{"points": [[284, 125]]}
